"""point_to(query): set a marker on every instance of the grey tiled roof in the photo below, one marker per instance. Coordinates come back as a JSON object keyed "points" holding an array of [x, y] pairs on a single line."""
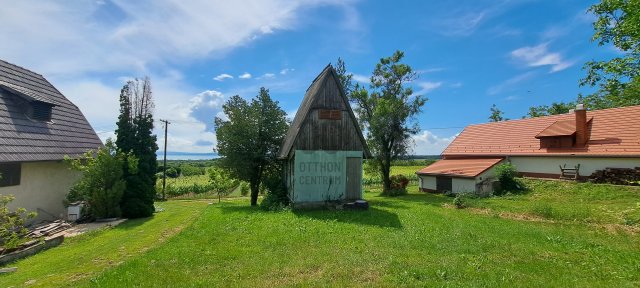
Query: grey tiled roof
{"points": [[23, 139]]}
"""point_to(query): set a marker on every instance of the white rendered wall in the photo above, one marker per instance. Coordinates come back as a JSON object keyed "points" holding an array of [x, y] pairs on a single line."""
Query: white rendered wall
{"points": [[43, 185], [550, 165]]}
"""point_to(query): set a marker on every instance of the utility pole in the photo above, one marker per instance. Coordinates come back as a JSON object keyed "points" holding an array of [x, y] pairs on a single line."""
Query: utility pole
{"points": [[164, 165]]}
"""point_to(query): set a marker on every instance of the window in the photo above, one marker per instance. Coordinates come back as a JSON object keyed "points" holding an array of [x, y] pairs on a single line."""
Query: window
{"points": [[330, 114], [10, 174], [40, 111]]}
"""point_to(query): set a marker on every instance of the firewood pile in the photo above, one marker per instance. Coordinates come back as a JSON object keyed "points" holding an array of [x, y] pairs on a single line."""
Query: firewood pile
{"points": [[49, 229], [619, 176]]}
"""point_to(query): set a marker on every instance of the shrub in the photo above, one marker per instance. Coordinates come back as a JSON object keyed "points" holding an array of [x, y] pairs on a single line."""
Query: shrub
{"points": [[459, 201], [244, 188], [172, 172], [12, 228], [399, 185], [101, 185], [506, 173], [277, 198]]}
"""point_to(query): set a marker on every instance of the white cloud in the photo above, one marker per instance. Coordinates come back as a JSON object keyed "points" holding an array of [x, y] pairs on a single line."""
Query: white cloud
{"points": [[267, 76], [222, 76], [360, 78], [463, 25], [510, 83], [246, 75], [456, 85], [285, 71], [426, 87], [427, 143], [134, 35], [535, 56]]}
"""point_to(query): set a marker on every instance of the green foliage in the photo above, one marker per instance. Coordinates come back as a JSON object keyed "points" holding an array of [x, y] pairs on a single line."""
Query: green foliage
{"points": [[618, 23], [244, 188], [189, 170], [277, 198], [198, 184], [172, 172], [506, 173], [386, 109], [134, 135], [221, 183], [12, 224], [102, 185], [496, 114], [555, 109], [459, 201], [251, 137]]}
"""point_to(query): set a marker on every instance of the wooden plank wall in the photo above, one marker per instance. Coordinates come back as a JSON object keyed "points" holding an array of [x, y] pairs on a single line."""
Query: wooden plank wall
{"points": [[328, 134]]}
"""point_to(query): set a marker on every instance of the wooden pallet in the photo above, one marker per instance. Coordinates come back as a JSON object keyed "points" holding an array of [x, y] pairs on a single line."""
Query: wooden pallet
{"points": [[570, 173]]}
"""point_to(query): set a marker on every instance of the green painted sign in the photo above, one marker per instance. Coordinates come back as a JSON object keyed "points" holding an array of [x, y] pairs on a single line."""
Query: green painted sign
{"points": [[320, 175]]}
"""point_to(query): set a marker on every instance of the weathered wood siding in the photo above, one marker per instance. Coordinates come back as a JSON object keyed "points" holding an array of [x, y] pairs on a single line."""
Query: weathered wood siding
{"points": [[328, 134]]}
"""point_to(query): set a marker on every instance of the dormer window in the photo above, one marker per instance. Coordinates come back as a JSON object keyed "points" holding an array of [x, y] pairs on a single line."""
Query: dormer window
{"points": [[35, 106], [39, 111]]}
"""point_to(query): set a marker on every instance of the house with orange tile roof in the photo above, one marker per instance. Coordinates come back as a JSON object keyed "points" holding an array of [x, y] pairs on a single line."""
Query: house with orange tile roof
{"points": [[581, 140]]}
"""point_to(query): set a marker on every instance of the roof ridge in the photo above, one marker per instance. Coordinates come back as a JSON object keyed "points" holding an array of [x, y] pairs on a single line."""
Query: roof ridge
{"points": [[20, 67], [318, 77]]}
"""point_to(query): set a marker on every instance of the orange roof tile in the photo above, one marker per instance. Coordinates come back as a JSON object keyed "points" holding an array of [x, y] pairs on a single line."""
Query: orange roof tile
{"points": [[459, 167], [612, 132]]}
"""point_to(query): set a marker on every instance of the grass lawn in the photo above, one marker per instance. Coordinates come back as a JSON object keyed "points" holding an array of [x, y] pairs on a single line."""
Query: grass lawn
{"points": [[86, 256], [413, 240]]}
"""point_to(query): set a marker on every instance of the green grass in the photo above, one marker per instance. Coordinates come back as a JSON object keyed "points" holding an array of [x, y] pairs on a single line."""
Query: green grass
{"points": [[413, 240], [568, 201], [85, 256]]}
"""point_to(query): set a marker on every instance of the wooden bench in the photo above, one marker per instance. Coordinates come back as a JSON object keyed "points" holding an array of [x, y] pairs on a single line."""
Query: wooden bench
{"points": [[570, 173]]}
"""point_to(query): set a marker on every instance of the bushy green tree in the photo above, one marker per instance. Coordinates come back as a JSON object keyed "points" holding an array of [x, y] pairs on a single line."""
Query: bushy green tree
{"points": [[249, 139], [102, 183], [618, 79], [554, 109], [135, 135], [221, 183], [386, 111]]}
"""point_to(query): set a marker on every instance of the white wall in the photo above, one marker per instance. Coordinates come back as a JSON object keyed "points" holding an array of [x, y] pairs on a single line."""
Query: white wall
{"points": [[550, 165], [428, 182], [459, 185], [43, 185]]}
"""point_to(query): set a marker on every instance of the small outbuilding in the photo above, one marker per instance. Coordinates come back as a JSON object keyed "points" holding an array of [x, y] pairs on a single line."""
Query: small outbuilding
{"points": [[324, 147]]}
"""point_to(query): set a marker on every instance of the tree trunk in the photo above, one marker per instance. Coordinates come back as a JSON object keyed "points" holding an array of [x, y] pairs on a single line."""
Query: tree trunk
{"points": [[255, 188], [386, 170]]}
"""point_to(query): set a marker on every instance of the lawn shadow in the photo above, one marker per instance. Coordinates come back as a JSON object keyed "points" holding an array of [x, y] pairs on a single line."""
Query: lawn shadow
{"points": [[132, 223], [372, 217], [405, 200]]}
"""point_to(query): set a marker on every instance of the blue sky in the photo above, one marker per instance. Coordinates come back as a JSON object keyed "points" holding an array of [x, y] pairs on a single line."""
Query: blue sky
{"points": [[469, 55]]}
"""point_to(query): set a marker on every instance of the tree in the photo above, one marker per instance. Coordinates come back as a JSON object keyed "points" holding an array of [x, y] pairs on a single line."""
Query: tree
{"points": [[385, 111], [555, 109], [618, 23], [344, 77], [221, 183], [134, 134], [249, 139], [102, 184], [496, 114]]}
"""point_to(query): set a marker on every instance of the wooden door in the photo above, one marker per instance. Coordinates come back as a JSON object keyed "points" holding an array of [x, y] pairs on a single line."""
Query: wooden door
{"points": [[443, 184], [354, 178]]}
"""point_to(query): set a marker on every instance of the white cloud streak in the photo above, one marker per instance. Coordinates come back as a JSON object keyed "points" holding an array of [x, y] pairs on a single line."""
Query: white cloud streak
{"points": [[535, 56], [222, 76], [246, 75]]}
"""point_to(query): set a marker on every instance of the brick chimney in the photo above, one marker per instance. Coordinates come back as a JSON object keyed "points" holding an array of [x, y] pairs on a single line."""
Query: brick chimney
{"points": [[581, 126]]}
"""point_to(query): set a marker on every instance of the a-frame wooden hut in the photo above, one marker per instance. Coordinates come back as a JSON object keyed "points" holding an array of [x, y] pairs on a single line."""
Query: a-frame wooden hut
{"points": [[324, 146]]}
